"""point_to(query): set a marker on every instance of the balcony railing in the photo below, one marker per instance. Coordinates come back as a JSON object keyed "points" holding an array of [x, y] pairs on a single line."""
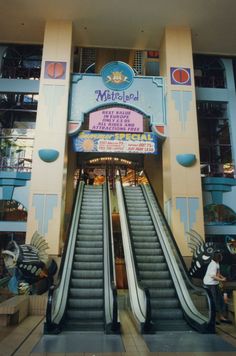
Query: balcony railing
{"points": [[18, 164]]}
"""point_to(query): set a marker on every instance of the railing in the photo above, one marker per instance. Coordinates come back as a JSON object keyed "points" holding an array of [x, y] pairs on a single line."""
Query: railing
{"points": [[112, 308], [13, 72], [146, 326], [57, 294], [15, 164], [201, 298], [210, 82]]}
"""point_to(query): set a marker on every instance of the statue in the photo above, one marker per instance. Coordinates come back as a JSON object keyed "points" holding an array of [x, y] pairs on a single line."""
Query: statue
{"points": [[29, 266]]}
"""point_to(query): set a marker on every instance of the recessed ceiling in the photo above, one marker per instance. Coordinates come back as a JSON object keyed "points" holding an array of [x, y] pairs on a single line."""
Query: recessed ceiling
{"points": [[131, 24]]}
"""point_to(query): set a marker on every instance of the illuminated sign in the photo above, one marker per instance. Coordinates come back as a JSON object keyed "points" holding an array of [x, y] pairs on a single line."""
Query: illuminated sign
{"points": [[140, 143], [116, 119]]}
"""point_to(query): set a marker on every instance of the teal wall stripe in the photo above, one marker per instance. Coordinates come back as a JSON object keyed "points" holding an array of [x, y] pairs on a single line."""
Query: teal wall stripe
{"points": [[44, 205], [182, 101]]}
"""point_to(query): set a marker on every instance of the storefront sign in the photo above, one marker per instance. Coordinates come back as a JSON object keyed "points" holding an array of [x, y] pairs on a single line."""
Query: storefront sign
{"points": [[116, 119], [144, 143], [105, 96]]}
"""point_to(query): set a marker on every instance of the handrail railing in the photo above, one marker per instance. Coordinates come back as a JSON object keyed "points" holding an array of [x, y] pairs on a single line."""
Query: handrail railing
{"points": [[68, 231], [209, 326], [59, 287], [147, 325], [115, 325]]}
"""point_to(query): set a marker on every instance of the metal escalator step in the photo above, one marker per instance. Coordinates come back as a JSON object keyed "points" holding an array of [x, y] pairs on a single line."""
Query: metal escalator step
{"points": [[164, 303], [94, 221], [93, 237], [86, 292], [146, 230], [135, 203], [86, 283], [87, 258], [90, 251], [154, 275], [92, 230], [85, 314], [147, 253], [88, 303], [162, 293], [151, 259], [84, 228], [145, 245], [92, 204], [135, 217], [171, 325], [148, 266], [89, 244], [162, 283], [138, 222], [91, 211], [90, 264], [134, 196], [137, 209], [90, 215], [87, 274], [83, 325], [146, 238], [167, 314]]}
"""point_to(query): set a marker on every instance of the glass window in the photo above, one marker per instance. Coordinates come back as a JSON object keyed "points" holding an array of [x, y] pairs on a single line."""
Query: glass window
{"points": [[219, 214]]}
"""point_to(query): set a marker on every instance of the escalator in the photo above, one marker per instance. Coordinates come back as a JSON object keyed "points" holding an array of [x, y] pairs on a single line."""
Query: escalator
{"points": [[85, 303], [85, 297], [164, 298]]}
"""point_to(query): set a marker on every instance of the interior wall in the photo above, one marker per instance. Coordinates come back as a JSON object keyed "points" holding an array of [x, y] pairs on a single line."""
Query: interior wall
{"points": [[70, 189], [153, 168], [106, 55]]}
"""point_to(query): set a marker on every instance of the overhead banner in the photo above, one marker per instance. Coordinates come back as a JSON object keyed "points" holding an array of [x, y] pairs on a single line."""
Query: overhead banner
{"points": [[140, 143], [116, 119]]}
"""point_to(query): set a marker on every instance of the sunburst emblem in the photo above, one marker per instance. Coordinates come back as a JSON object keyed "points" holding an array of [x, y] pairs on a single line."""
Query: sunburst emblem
{"points": [[87, 145]]}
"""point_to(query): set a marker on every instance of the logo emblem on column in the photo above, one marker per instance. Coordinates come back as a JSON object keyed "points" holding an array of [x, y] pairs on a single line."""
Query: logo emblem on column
{"points": [[55, 70]]}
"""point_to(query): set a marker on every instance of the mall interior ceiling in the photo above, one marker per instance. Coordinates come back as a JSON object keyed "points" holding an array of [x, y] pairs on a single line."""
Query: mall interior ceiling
{"points": [[129, 24]]}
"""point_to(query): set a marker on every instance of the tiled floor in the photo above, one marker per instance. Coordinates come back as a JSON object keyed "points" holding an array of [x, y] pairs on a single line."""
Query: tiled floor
{"points": [[20, 340]]}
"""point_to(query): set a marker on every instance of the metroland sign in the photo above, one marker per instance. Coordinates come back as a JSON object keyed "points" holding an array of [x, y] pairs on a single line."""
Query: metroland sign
{"points": [[113, 128]]}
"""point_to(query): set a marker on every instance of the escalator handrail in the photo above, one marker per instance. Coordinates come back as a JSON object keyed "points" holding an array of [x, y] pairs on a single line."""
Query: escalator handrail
{"points": [[67, 234], [107, 222], [183, 265], [50, 325], [211, 320], [147, 323]]}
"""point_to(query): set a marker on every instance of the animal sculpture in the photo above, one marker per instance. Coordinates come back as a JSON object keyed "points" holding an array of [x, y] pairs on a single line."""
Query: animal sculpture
{"points": [[203, 251], [29, 265]]}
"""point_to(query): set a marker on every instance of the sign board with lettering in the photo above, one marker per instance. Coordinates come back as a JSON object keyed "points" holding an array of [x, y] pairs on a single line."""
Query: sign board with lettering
{"points": [[146, 95], [140, 143], [116, 119]]}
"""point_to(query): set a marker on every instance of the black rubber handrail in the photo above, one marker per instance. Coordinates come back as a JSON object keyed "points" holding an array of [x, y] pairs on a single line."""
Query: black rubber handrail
{"points": [[147, 327], [115, 327], [49, 326], [212, 309]]}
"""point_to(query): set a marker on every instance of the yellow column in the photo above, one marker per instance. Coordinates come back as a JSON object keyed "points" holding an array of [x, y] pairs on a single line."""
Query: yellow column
{"points": [[47, 192], [181, 163]]}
